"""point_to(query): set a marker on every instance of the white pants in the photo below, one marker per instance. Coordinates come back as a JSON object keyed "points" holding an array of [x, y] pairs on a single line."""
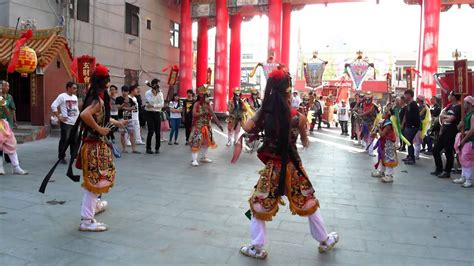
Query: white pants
{"points": [[89, 202], [233, 134], [195, 155], [258, 232], [136, 129], [467, 173], [386, 170], [417, 148], [13, 159]]}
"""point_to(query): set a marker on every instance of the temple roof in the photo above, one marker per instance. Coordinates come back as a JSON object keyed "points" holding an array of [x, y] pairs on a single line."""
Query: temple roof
{"points": [[47, 44]]}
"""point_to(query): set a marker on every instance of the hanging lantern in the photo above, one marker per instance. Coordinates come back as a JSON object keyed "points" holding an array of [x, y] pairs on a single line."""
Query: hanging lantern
{"points": [[27, 60]]}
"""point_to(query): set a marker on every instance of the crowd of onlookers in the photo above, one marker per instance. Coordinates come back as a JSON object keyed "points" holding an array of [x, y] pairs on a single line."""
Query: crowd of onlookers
{"points": [[428, 127], [160, 116]]}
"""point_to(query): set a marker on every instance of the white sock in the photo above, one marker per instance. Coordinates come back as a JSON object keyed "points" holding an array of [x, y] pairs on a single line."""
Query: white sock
{"points": [[389, 171], [204, 152], [14, 159], [194, 155], [467, 173]]}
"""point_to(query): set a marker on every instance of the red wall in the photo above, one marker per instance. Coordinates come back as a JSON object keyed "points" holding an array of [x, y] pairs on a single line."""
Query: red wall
{"points": [[55, 80]]}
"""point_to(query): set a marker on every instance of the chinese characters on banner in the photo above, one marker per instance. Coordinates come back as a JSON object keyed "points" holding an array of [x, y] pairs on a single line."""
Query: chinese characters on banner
{"points": [[409, 72], [460, 76]]}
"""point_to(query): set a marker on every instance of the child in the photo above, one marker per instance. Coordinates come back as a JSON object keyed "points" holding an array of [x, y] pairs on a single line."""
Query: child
{"points": [[387, 152]]}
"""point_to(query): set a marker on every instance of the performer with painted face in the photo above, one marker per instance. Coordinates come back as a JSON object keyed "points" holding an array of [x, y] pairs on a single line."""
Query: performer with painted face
{"points": [[283, 174], [95, 155], [254, 101], [236, 109], [201, 138]]}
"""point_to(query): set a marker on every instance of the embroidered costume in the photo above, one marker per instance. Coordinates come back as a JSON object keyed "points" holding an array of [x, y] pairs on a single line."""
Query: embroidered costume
{"points": [[237, 109], [7, 137], [283, 174], [386, 149], [201, 134]]}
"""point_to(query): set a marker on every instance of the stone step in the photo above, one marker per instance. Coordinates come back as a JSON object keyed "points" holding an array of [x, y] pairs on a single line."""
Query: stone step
{"points": [[26, 133]]}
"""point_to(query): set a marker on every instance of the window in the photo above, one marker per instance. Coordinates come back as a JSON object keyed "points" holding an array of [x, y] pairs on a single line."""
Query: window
{"points": [[131, 19], [131, 77], [148, 24], [174, 34], [247, 56], [82, 10]]}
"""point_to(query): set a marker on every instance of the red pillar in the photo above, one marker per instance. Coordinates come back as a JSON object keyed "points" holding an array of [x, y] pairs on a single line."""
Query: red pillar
{"points": [[220, 71], [274, 28], [234, 64], [185, 49], [429, 63], [201, 64], [285, 34]]}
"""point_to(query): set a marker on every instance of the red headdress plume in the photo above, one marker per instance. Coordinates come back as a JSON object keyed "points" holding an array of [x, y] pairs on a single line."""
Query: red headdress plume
{"points": [[101, 71], [278, 73]]}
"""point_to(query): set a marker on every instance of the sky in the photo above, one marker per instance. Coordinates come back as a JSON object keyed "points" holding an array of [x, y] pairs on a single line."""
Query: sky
{"points": [[391, 26]]}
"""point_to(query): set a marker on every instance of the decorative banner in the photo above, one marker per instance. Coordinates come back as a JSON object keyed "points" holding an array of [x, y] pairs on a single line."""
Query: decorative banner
{"points": [[358, 72], [173, 75], [429, 58], [313, 73], [409, 72], [461, 76]]}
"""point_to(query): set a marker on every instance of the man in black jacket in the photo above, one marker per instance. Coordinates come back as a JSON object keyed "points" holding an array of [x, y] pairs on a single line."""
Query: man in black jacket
{"points": [[412, 124], [449, 118]]}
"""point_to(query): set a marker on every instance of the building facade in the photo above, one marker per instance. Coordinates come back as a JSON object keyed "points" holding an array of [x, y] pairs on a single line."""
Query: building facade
{"points": [[135, 39]]}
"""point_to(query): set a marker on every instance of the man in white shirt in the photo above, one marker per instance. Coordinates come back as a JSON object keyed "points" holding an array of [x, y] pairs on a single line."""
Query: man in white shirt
{"points": [[296, 101], [66, 109], [134, 92], [154, 102]]}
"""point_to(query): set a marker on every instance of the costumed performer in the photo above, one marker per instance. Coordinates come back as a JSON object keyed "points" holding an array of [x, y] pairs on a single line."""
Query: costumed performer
{"points": [[7, 137], [236, 109], [386, 146], [283, 174], [254, 100], [368, 116], [465, 146], [425, 118], [201, 134], [95, 156]]}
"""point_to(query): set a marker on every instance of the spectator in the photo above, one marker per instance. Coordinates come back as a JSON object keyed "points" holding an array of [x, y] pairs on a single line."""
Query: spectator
{"points": [[352, 106], [113, 108], [125, 107], [343, 117], [412, 124], [433, 132], [188, 114], [134, 95], [154, 105], [401, 118], [318, 107], [176, 108], [295, 101], [464, 145], [423, 109], [449, 118], [66, 109]]}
